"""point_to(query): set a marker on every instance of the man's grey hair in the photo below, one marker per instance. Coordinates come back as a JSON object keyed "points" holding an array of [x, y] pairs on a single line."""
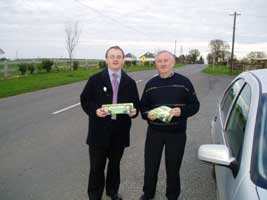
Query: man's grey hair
{"points": [[165, 51]]}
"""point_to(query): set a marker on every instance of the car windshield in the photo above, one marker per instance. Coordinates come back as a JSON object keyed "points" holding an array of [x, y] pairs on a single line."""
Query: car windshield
{"points": [[260, 146]]}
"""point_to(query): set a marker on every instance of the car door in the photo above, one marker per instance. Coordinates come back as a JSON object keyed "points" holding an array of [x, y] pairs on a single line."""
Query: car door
{"points": [[217, 124], [234, 127]]}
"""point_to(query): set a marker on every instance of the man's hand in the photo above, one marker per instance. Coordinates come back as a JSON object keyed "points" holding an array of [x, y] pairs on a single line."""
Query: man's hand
{"points": [[132, 113], [176, 112], [151, 117], [102, 112]]}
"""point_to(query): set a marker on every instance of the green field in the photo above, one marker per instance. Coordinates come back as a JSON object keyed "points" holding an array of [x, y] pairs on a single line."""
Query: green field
{"points": [[18, 84], [10, 66], [61, 64], [220, 69], [35, 82]]}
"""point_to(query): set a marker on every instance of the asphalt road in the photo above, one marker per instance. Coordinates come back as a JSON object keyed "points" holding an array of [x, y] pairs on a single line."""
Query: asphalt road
{"points": [[43, 156]]}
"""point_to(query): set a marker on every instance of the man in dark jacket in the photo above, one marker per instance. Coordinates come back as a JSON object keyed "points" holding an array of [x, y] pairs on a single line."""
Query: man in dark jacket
{"points": [[108, 135], [175, 91]]}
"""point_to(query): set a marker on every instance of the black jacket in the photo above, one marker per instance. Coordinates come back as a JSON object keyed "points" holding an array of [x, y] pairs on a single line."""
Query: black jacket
{"points": [[94, 96], [174, 91]]}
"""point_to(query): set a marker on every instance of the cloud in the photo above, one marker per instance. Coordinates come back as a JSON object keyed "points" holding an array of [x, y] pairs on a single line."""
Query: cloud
{"points": [[136, 25]]}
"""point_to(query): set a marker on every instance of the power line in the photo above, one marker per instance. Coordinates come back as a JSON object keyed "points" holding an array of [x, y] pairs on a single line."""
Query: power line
{"points": [[233, 40], [111, 19], [257, 16]]}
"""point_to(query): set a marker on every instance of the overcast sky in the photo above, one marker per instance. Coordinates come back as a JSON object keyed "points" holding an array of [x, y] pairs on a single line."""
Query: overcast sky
{"points": [[36, 28]]}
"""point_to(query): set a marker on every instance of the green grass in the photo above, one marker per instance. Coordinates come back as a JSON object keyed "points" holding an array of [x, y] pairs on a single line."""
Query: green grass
{"points": [[10, 66], [61, 64], [17, 84], [220, 69], [36, 82]]}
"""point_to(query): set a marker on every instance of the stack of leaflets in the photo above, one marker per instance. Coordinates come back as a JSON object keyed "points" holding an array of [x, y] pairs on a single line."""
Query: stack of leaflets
{"points": [[120, 108], [162, 113]]}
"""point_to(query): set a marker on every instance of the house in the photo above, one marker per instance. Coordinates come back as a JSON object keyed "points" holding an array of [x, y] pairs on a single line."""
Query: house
{"points": [[130, 57], [1, 51], [149, 57]]}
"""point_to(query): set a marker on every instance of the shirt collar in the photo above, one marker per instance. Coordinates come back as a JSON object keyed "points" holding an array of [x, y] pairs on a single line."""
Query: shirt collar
{"points": [[170, 75], [110, 72]]}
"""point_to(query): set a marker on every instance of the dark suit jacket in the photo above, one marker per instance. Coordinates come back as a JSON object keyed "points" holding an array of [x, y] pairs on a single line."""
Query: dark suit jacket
{"points": [[98, 91]]}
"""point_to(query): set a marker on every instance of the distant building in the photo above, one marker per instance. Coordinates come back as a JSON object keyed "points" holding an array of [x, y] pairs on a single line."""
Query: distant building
{"points": [[1, 51], [150, 57], [130, 57]]}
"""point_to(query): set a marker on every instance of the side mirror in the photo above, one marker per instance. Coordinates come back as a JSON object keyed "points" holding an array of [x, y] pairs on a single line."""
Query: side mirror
{"points": [[216, 154]]}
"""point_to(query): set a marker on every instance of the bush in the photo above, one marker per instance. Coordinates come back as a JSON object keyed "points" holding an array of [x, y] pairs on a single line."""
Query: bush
{"points": [[31, 68], [47, 64], [147, 63], [39, 67], [128, 63], [134, 62], [3, 59], [102, 64], [75, 65], [201, 60], [22, 68]]}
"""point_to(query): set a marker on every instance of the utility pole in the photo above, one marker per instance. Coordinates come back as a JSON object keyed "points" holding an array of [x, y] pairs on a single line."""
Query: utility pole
{"points": [[181, 50], [233, 40], [6, 70], [174, 53]]}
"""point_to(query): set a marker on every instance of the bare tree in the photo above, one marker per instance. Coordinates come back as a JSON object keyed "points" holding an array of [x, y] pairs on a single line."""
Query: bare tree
{"points": [[72, 38]]}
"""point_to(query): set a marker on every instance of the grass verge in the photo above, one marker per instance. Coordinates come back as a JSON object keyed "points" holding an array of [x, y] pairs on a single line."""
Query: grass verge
{"points": [[220, 69], [18, 84], [30, 83]]}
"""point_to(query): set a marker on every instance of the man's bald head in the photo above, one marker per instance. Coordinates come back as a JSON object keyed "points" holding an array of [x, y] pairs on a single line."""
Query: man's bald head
{"points": [[166, 52], [164, 63]]}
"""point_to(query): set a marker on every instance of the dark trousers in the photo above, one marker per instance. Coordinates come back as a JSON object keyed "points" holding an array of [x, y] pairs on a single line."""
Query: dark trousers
{"points": [[174, 144], [98, 158]]}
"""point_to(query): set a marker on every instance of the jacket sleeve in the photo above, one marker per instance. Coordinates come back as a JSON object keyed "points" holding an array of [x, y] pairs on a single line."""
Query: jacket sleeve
{"points": [[145, 104], [87, 99], [192, 104], [135, 97]]}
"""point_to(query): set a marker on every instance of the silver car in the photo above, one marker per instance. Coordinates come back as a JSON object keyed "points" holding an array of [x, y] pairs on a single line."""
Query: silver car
{"points": [[239, 137]]}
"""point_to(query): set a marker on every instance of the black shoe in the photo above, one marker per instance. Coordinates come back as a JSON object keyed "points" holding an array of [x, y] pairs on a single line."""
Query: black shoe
{"points": [[144, 197], [115, 197]]}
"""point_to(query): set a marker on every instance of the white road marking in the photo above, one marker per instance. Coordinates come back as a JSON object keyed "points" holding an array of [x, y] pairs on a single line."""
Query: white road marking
{"points": [[77, 104], [67, 108]]}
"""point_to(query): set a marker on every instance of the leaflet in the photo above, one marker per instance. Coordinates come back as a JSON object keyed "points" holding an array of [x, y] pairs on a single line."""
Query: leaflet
{"points": [[120, 108], [162, 113]]}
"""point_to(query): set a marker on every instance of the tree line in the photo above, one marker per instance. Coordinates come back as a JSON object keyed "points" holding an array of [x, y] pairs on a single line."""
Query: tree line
{"points": [[220, 54]]}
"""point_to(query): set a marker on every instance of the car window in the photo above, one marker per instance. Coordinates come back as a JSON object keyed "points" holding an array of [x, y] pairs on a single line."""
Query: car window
{"points": [[259, 155], [229, 96], [263, 143], [236, 124]]}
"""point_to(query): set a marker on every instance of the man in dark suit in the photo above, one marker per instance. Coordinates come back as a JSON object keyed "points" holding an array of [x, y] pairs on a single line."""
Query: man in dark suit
{"points": [[108, 135]]}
